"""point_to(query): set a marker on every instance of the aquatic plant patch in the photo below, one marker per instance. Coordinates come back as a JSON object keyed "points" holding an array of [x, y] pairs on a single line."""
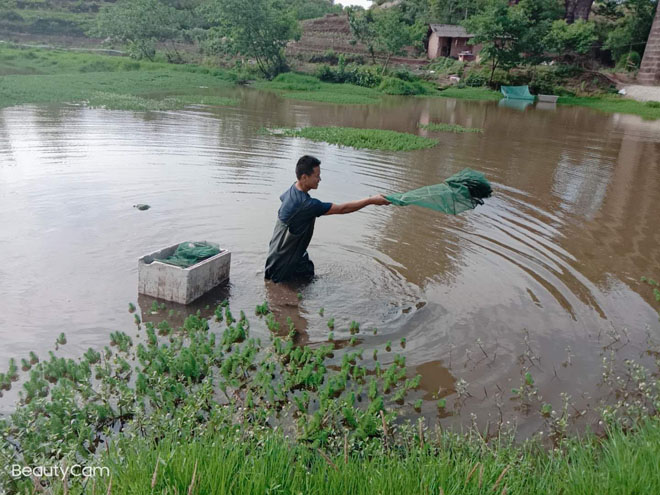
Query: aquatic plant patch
{"points": [[375, 139], [442, 127]]}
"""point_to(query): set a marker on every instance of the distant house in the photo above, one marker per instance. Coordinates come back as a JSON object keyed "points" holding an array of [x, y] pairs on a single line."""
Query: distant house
{"points": [[447, 40]]}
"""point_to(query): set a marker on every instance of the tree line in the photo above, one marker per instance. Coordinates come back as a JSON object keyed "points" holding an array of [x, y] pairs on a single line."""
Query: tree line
{"points": [[511, 32]]}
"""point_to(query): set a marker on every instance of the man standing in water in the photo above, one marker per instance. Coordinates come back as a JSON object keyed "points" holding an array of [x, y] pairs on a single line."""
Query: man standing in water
{"points": [[287, 252]]}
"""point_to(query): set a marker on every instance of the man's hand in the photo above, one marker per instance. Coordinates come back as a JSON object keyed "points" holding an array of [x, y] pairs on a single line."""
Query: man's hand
{"points": [[379, 199]]}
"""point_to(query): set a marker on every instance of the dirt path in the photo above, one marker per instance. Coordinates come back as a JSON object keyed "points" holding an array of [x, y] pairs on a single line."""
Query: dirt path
{"points": [[642, 93]]}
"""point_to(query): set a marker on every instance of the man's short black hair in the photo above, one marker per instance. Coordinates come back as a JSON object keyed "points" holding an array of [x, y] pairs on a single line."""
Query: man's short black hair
{"points": [[306, 165]]}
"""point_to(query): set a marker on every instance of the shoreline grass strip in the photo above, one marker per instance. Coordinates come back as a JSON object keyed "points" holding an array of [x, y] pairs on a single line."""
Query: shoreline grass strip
{"points": [[375, 139], [615, 104], [471, 94]]}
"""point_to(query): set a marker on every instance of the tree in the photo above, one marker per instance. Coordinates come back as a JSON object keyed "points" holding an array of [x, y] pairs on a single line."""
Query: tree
{"points": [[392, 34], [502, 32], [140, 23], [571, 40], [363, 29], [259, 30], [577, 9], [630, 31], [310, 9], [453, 11]]}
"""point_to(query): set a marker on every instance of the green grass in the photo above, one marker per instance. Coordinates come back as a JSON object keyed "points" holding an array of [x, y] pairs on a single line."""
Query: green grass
{"points": [[227, 462], [114, 101], [44, 76], [471, 94], [614, 104], [442, 127], [308, 88], [375, 139]]}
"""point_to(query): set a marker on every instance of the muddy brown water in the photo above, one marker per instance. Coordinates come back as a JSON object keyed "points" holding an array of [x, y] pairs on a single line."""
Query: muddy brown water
{"points": [[542, 277]]}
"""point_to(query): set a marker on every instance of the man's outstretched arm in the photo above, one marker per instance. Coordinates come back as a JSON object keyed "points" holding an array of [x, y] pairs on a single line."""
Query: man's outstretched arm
{"points": [[351, 206]]}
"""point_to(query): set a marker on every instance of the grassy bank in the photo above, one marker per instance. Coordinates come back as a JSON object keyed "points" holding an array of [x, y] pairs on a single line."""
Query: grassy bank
{"points": [[50, 76], [469, 93], [375, 139], [203, 407], [309, 88], [228, 461], [615, 104], [607, 103]]}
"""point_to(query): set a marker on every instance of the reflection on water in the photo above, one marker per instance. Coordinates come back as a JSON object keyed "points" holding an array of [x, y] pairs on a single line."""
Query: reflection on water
{"points": [[514, 104], [550, 262]]}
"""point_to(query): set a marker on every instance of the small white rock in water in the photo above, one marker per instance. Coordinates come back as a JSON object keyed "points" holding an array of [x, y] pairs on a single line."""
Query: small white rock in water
{"points": [[141, 206]]}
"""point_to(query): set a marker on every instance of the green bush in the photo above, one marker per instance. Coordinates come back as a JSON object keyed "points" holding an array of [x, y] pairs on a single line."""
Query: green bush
{"points": [[295, 82], [352, 74], [475, 79], [543, 80], [629, 61], [395, 86], [446, 65], [653, 104]]}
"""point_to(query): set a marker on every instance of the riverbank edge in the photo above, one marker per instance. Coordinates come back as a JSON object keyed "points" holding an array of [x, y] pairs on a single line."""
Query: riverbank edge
{"points": [[229, 461]]}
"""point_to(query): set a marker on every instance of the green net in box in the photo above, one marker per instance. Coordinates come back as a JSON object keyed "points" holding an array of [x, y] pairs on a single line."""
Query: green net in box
{"points": [[462, 191], [190, 253]]}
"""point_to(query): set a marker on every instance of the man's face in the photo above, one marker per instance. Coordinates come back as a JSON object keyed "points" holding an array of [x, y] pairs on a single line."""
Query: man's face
{"points": [[312, 181]]}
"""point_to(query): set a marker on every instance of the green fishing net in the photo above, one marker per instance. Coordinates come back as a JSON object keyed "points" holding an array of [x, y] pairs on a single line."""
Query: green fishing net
{"points": [[462, 191], [191, 253]]}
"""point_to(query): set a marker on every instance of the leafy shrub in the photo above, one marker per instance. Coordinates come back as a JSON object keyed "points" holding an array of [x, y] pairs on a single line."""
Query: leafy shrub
{"points": [[575, 38], [446, 65], [543, 80], [395, 86], [328, 57], [353, 74], [405, 75], [296, 82], [653, 104], [476, 79], [629, 61]]}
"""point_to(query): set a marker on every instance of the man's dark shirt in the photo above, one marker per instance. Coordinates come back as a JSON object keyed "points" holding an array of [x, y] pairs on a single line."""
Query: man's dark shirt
{"points": [[291, 199]]}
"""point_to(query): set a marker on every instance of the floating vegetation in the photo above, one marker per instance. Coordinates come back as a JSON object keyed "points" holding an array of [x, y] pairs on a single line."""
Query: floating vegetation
{"points": [[441, 127], [321, 311], [131, 307], [388, 346], [377, 139], [61, 339], [331, 323], [354, 327]]}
